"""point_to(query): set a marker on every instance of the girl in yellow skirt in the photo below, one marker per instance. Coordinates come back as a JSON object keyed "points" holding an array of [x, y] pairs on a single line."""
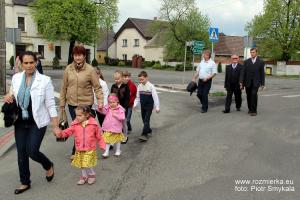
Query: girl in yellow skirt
{"points": [[113, 124], [86, 133]]}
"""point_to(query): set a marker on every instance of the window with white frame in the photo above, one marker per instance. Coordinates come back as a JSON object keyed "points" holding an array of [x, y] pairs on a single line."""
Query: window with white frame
{"points": [[136, 42], [124, 42]]}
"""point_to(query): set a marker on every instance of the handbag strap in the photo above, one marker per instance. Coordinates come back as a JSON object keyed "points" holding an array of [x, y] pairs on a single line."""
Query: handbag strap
{"points": [[63, 115]]}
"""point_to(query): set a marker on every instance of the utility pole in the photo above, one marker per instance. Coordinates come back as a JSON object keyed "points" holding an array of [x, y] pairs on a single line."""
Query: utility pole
{"points": [[2, 49]]}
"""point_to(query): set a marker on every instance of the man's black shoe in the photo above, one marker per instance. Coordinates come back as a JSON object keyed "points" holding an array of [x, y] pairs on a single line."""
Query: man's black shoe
{"points": [[226, 111], [203, 111]]}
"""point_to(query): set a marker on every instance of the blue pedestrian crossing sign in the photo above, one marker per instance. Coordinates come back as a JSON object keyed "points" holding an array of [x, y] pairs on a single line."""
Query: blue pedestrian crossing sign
{"points": [[213, 34]]}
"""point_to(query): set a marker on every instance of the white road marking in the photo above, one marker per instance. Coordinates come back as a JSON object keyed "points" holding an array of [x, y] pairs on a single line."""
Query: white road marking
{"points": [[291, 96], [168, 90], [270, 95]]}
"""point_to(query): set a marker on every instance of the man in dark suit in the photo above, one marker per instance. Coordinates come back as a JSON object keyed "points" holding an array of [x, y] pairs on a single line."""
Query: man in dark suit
{"points": [[253, 77], [232, 84]]}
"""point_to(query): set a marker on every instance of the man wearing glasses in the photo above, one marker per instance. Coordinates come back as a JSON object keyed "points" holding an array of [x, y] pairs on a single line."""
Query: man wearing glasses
{"points": [[253, 78], [232, 83]]}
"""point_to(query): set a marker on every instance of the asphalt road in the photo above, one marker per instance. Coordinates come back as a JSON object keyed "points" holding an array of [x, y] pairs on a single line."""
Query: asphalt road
{"points": [[190, 156]]}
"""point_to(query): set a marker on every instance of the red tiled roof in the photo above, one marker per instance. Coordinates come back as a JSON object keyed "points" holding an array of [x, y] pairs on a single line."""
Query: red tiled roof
{"points": [[229, 45]]}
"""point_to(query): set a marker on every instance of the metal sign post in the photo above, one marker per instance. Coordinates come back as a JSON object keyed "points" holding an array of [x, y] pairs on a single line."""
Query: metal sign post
{"points": [[213, 37], [2, 49], [185, 47]]}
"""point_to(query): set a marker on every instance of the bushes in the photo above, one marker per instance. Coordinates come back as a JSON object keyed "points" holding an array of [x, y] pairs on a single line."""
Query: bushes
{"points": [[111, 61], [180, 67], [12, 62], [219, 67], [55, 63], [157, 65], [147, 64], [121, 63]]}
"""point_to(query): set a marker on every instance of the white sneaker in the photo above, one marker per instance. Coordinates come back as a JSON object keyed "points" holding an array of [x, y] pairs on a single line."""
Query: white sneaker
{"points": [[105, 155], [118, 153]]}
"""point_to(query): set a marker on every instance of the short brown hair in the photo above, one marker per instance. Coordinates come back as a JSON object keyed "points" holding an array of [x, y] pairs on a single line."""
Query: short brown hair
{"points": [[143, 73], [253, 49], [126, 73], [85, 109], [79, 50]]}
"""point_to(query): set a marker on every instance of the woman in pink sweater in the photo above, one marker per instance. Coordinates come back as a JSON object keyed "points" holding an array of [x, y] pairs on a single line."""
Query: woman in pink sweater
{"points": [[113, 124], [86, 133]]}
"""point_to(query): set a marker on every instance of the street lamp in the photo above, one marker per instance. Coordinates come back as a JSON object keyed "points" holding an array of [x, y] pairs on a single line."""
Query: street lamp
{"points": [[2, 48]]}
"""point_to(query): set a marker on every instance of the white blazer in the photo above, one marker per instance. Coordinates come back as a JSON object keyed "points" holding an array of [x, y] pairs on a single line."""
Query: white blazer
{"points": [[42, 97], [105, 94]]}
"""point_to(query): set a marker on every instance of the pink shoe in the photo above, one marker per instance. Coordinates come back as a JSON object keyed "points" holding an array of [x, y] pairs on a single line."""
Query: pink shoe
{"points": [[91, 179], [82, 180]]}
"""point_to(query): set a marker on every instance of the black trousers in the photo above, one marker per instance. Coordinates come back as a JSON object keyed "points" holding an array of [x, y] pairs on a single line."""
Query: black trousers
{"points": [[252, 98], [202, 93], [146, 114], [100, 117], [28, 142], [237, 96]]}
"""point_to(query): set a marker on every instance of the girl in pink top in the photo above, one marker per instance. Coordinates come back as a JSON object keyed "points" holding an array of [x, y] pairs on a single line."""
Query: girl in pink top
{"points": [[86, 133], [113, 124]]}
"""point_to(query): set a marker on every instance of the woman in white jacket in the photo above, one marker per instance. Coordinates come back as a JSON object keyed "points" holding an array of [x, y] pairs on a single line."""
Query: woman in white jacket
{"points": [[34, 95], [105, 91]]}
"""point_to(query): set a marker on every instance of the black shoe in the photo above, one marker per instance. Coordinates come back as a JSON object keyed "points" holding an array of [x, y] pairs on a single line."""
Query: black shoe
{"points": [[49, 178], [238, 109], [203, 111], [226, 111], [253, 114], [125, 142], [19, 191], [143, 138]]}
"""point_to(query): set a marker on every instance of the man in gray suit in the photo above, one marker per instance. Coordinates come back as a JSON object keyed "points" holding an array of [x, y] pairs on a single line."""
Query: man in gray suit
{"points": [[253, 77]]}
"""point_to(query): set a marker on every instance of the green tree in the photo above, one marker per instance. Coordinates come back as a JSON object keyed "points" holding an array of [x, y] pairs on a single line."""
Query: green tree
{"points": [[108, 16], [185, 23], [71, 20], [277, 29]]}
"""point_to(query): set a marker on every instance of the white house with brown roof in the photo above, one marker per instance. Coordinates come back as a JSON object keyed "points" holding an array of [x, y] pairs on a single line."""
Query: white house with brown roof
{"points": [[17, 15], [134, 38]]}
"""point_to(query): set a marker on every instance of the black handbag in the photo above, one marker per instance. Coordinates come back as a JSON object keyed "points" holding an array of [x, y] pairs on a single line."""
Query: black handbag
{"points": [[191, 87], [10, 111], [63, 124]]}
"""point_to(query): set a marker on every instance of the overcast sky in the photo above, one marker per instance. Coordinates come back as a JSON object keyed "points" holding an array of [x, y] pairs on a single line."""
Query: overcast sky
{"points": [[230, 16]]}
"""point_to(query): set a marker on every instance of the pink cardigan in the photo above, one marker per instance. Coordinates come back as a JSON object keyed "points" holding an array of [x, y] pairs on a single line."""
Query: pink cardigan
{"points": [[85, 137], [112, 123]]}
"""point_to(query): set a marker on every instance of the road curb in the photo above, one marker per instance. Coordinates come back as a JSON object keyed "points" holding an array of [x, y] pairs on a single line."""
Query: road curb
{"points": [[6, 142]]}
